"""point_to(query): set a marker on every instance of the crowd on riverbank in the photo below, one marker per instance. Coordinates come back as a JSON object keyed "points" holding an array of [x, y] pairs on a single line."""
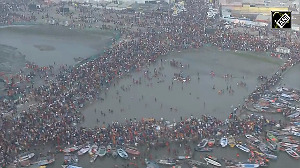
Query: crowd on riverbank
{"points": [[54, 114]]}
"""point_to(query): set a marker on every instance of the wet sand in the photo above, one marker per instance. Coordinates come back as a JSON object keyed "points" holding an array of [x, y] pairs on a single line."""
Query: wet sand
{"points": [[188, 98]]}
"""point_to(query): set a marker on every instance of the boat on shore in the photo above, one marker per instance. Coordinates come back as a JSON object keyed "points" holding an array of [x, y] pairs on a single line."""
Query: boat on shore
{"points": [[132, 150], [223, 142], [243, 147], [122, 153], [231, 141], [101, 151], [212, 162], [84, 150], [292, 153]]}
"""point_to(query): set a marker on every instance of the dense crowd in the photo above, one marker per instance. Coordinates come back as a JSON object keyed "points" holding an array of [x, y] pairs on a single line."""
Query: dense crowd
{"points": [[55, 114]]}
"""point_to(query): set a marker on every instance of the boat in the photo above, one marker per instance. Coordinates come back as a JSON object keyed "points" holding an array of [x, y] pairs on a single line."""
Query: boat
{"points": [[272, 145], [212, 162], [211, 142], [70, 159], [270, 156], [252, 138], [231, 141], [108, 149], [292, 153], [94, 157], [272, 137], [183, 157], [132, 150], [248, 165], [45, 161], [84, 150], [198, 149], [203, 143], [93, 149], [25, 156], [70, 166], [72, 149], [197, 163], [224, 142], [122, 153], [243, 147], [151, 164], [288, 145], [114, 152], [101, 151], [167, 162], [25, 163]]}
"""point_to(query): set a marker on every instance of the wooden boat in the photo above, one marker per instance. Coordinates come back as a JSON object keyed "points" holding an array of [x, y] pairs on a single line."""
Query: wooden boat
{"points": [[203, 143], [211, 142], [166, 162], [70, 166], [93, 149], [45, 161], [93, 158], [72, 149], [183, 157], [122, 153], [151, 164], [212, 162], [25, 156], [84, 150], [132, 150], [292, 153], [271, 137], [224, 142], [101, 151], [250, 165], [231, 141], [114, 152], [198, 149], [197, 163], [243, 147]]}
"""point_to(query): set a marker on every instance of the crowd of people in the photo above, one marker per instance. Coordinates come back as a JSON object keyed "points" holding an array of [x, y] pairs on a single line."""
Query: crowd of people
{"points": [[54, 114]]}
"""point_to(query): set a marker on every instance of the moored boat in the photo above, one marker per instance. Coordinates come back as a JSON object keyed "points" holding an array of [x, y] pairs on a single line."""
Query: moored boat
{"points": [[250, 165], [84, 150], [122, 153], [211, 142], [70, 166], [101, 151], [231, 141], [70, 159], [203, 143], [151, 164], [224, 142], [183, 157], [93, 149], [198, 149], [197, 163], [132, 150], [93, 158], [72, 149], [212, 162], [25, 156], [166, 162], [243, 147], [272, 137], [114, 152], [292, 153], [45, 161]]}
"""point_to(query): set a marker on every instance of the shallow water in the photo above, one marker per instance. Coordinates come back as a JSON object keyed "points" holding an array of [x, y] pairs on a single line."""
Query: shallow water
{"points": [[63, 44]]}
